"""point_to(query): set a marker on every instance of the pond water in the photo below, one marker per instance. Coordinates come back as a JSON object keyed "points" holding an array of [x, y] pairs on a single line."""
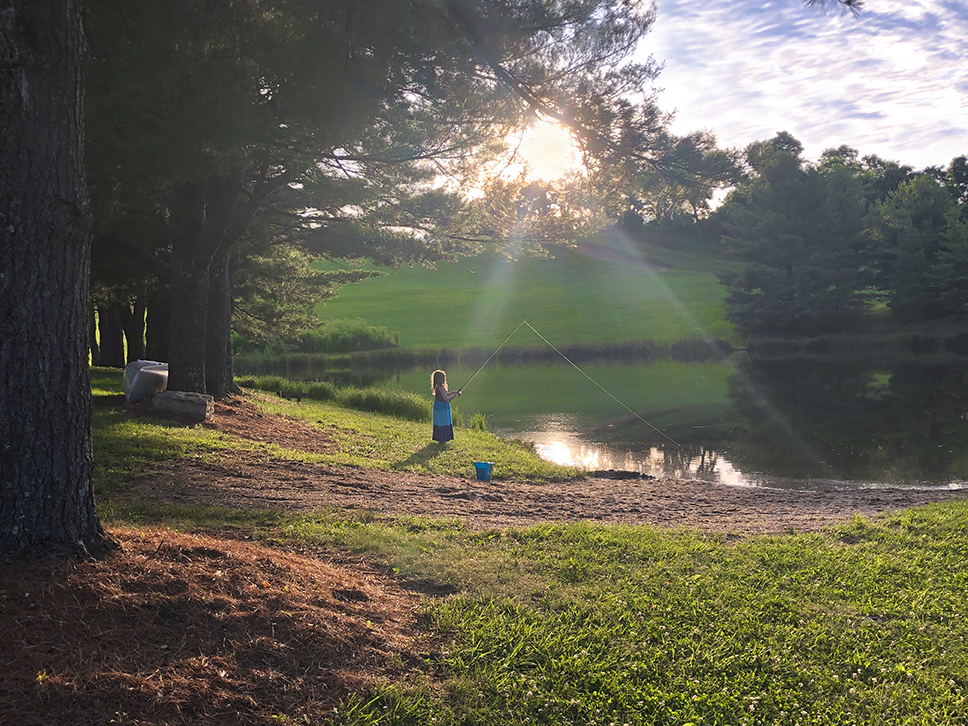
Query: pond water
{"points": [[792, 423]]}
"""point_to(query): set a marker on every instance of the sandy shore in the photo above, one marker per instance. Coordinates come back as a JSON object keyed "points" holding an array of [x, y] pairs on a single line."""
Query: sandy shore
{"points": [[245, 480]]}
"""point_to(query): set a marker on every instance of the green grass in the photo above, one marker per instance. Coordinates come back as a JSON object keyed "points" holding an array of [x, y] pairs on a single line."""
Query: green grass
{"points": [[386, 442], [404, 404], [570, 299], [106, 385], [865, 624], [585, 624], [127, 443]]}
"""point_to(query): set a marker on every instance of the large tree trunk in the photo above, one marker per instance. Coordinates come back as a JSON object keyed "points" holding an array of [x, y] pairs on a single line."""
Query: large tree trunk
{"points": [[133, 324], [188, 328], [188, 291], [203, 232], [111, 334], [219, 381], [46, 465], [157, 326]]}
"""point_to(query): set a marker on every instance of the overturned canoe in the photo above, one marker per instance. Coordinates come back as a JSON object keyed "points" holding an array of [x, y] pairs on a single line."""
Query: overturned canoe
{"points": [[143, 378]]}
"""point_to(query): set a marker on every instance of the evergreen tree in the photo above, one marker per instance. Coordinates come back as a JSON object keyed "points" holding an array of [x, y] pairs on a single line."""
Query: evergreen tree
{"points": [[956, 180], [911, 227], [798, 231], [879, 177]]}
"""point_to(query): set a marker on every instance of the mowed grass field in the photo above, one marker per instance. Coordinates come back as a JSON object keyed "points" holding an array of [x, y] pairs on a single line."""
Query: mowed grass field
{"points": [[570, 299]]}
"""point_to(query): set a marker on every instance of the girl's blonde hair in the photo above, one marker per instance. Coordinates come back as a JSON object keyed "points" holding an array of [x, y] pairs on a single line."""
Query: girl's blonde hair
{"points": [[438, 378]]}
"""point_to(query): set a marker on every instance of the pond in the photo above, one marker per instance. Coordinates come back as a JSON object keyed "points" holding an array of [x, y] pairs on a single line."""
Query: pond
{"points": [[800, 423]]}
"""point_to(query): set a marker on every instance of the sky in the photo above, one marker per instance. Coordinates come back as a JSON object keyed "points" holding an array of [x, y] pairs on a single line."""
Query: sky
{"points": [[892, 81]]}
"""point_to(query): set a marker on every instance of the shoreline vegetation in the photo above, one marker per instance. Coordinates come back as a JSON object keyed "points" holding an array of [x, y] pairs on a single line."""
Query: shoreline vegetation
{"points": [[251, 612], [303, 364], [943, 341]]}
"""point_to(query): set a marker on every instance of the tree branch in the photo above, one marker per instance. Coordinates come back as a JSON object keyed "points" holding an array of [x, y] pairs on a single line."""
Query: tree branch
{"points": [[137, 254]]}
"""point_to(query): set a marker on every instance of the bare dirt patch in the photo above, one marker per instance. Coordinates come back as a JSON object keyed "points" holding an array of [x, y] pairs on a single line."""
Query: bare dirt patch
{"points": [[182, 629], [243, 418], [245, 479]]}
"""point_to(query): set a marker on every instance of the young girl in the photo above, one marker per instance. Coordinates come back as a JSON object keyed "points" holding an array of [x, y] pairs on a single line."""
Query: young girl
{"points": [[443, 423]]}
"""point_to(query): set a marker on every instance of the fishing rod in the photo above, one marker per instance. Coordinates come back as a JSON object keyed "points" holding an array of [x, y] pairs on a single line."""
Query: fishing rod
{"points": [[577, 368]]}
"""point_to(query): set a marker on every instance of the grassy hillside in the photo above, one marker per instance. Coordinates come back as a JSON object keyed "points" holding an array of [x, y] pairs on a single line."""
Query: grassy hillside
{"points": [[572, 298], [129, 441]]}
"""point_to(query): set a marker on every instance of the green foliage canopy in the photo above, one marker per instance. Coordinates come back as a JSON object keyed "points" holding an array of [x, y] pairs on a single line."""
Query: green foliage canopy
{"points": [[926, 261], [347, 129]]}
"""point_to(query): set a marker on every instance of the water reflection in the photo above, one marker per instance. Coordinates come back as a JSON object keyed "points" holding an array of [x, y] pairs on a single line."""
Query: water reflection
{"points": [[892, 422], [797, 424], [792, 423], [684, 462], [700, 463]]}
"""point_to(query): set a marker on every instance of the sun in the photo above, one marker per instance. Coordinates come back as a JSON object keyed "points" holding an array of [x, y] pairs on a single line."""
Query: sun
{"points": [[548, 150]]}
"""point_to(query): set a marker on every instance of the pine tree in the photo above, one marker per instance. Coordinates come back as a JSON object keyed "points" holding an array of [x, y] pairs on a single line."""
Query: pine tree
{"points": [[798, 231], [336, 119], [46, 466]]}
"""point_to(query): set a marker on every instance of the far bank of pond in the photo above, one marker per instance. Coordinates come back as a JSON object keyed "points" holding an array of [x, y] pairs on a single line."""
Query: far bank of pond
{"points": [[795, 422]]}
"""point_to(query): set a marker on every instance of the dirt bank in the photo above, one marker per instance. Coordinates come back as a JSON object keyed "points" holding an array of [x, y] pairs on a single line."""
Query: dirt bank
{"points": [[246, 479]]}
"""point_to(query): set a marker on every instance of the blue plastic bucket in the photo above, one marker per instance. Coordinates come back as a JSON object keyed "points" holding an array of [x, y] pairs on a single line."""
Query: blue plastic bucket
{"points": [[484, 470]]}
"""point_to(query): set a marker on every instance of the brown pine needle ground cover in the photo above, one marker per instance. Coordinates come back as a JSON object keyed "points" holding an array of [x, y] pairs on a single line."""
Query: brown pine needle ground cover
{"points": [[183, 629]]}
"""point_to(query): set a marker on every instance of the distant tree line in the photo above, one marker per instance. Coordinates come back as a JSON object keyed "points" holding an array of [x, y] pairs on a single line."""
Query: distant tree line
{"points": [[823, 245]]}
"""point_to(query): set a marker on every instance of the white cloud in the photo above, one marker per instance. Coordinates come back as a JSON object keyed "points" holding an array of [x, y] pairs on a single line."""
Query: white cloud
{"points": [[892, 82]]}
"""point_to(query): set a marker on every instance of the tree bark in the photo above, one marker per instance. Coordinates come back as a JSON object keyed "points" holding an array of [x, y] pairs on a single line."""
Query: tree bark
{"points": [[206, 220], [188, 291], [133, 325], [157, 324], [202, 231], [188, 327], [46, 465], [219, 381], [111, 335]]}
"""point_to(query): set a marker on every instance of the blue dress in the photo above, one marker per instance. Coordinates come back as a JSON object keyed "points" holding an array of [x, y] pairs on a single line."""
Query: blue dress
{"points": [[443, 422]]}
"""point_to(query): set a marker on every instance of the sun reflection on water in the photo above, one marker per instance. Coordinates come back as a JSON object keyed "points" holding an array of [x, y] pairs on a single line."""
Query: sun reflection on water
{"points": [[561, 447], [695, 463]]}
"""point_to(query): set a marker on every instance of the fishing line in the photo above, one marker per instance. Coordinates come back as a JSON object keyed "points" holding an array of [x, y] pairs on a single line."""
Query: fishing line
{"points": [[523, 322], [577, 368]]}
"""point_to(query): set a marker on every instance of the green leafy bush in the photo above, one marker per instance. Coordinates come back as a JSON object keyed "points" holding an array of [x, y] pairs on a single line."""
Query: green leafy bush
{"points": [[321, 391], [384, 400], [273, 384]]}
